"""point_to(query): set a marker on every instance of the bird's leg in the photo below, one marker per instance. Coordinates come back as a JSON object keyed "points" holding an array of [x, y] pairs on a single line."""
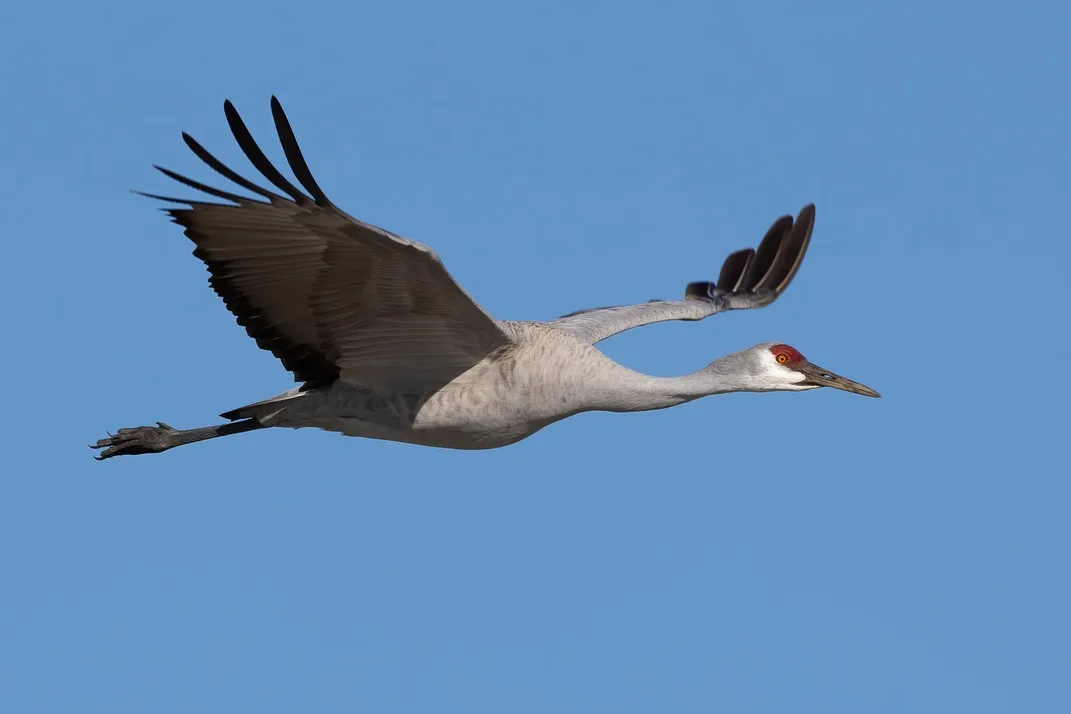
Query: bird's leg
{"points": [[153, 439]]}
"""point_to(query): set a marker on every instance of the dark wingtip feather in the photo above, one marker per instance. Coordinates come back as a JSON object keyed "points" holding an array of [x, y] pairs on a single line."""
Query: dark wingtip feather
{"points": [[766, 255], [158, 197], [763, 273], [189, 202], [796, 245], [256, 156], [223, 170], [700, 290], [186, 181], [734, 269], [293, 154]]}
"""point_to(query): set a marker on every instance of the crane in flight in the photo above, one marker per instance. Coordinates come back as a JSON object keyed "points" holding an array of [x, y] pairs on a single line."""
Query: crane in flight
{"points": [[386, 345]]}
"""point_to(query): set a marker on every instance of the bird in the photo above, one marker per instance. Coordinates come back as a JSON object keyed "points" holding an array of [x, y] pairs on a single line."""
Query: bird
{"points": [[383, 343]]}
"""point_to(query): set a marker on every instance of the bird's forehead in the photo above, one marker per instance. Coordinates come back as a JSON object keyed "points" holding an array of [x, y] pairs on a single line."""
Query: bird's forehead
{"points": [[789, 351]]}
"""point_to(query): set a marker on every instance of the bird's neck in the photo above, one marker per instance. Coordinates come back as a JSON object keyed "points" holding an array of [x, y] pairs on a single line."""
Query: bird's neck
{"points": [[642, 392]]}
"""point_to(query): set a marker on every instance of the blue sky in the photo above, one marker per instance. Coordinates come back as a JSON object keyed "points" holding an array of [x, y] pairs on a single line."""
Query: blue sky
{"points": [[813, 552]]}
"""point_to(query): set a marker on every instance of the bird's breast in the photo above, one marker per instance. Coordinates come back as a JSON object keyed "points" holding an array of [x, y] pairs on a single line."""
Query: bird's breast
{"points": [[513, 396], [497, 402]]}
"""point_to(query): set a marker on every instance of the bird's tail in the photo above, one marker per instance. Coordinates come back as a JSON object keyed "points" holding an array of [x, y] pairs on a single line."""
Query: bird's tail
{"points": [[267, 408]]}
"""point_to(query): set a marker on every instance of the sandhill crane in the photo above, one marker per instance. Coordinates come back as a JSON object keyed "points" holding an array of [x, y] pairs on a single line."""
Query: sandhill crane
{"points": [[386, 345]]}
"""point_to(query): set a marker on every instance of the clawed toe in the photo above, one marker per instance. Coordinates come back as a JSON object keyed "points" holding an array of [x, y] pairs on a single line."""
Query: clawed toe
{"points": [[136, 440]]}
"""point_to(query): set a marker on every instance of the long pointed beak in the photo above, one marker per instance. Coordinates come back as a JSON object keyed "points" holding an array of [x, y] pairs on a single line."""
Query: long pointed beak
{"points": [[824, 378]]}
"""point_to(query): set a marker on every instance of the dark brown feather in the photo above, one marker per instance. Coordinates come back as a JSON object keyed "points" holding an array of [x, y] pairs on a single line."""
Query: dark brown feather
{"points": [[328, 295]]}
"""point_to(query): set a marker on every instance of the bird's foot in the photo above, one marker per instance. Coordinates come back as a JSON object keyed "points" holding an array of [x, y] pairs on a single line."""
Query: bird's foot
{"points": [[137, 440]]}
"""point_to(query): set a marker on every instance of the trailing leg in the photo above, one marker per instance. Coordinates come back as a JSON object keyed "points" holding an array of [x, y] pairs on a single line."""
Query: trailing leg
{"points": [[154, 439]]}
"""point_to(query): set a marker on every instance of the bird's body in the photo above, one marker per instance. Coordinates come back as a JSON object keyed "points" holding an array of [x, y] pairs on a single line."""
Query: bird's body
{"points": [[386, 345], [543, 376]]}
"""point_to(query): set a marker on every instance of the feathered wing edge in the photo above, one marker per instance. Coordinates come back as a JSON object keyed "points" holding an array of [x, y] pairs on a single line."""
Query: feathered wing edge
{"points": [[309, 359], [749, 278]]}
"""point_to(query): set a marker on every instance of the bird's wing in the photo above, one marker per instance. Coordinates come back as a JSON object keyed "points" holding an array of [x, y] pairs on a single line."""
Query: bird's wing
{"points": [[331, 296], [749, 278]]}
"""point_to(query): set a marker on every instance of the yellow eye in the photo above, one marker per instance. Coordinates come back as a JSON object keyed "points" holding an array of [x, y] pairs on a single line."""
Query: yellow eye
{"points": [[782, 358]]}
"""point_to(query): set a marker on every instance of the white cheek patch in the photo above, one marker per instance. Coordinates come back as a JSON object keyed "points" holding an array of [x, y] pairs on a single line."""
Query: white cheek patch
{"points": [[779, 376], [774, 367]]}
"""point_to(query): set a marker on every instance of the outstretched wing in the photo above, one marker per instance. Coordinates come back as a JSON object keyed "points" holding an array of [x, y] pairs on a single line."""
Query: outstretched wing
{"points": [[331, 296], [749, 278]]}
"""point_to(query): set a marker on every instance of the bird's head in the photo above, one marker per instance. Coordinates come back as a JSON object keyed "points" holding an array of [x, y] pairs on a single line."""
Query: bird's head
{"points": [[775, 366]]}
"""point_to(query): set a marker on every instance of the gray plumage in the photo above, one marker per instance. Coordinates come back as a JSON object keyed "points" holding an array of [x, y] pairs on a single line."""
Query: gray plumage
{"points": [[385, 344]]}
